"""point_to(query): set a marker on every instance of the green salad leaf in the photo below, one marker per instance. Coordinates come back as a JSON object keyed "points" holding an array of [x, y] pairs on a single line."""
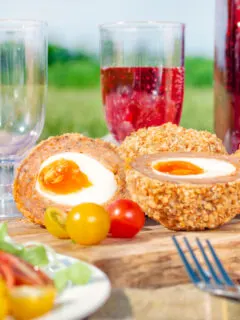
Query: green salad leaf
{"points": [[60, 280], [36, 255], [77, 274], [3, 231]]}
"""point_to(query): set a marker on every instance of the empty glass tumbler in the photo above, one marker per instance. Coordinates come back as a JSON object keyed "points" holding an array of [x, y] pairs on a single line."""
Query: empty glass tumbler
{"points": [[23, 84]]}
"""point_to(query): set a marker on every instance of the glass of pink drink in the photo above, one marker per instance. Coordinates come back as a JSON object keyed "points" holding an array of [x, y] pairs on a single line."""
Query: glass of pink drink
{"points": [[142, 74]]}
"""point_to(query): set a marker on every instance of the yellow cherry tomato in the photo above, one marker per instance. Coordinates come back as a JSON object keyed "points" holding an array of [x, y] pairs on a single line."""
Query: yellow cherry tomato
{"points": [[55, 222], [28, 302], [3, 300], [88, 223]]}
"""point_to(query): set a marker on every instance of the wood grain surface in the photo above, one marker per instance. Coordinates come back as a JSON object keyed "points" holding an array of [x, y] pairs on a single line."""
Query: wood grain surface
{"points": [[149, 260]]}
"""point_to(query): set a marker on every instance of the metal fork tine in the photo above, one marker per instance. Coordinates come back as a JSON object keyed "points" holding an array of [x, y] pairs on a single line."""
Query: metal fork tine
{"points": [[208, 263], [199, 267], [221, 269], [193, 276]]}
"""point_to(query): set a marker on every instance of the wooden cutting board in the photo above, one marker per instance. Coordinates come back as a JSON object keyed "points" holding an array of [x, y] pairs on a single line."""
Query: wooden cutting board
{"points": [[148, 260]]}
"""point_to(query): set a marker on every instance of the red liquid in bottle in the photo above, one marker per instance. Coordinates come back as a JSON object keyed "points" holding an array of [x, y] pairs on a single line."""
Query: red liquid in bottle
{"points": [[137, 97], [227, 73]]}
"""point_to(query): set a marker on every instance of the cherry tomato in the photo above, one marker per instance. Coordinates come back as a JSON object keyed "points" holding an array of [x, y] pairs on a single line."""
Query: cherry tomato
{"points": [[55, 222], [30, 302], [127, 218], [88, 223]]}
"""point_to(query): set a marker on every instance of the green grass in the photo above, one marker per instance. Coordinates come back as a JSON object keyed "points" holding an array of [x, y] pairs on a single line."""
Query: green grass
{"points": [[198, 109], [199, 72], [80, 110], [74, 110], [74, 74]]}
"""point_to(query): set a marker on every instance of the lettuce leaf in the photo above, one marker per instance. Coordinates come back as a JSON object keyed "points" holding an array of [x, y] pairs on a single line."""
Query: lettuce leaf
{"points": [[3, 231], [35, 255], [76, 274]]}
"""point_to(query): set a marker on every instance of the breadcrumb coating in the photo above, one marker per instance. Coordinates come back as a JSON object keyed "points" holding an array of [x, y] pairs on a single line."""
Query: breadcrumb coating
{"points": [[169, 137], [33, 205], [184, 204], [237, 154]]}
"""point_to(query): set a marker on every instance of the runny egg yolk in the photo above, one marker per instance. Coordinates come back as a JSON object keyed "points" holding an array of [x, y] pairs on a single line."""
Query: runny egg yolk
{"points": [[179, 168], [62, 177]]}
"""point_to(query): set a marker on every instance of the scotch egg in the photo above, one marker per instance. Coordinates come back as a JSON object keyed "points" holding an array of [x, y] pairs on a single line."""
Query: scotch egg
{"points": [[237, 153], [186, 191], [170, 138], [65, 171]]}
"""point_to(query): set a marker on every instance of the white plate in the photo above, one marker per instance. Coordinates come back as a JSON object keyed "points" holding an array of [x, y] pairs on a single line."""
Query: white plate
{"points": [[80, 301]]}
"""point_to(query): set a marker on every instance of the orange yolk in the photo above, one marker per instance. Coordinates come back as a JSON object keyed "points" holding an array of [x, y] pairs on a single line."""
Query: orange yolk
{"points": [[179, 168], [62, 177]]}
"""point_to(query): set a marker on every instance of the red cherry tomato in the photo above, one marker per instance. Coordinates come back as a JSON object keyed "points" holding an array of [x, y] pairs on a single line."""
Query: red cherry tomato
{"points": [[127, 218]]}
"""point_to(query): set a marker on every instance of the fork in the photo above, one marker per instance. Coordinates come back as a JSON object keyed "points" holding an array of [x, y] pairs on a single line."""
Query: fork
{"points": [[215, 279]]}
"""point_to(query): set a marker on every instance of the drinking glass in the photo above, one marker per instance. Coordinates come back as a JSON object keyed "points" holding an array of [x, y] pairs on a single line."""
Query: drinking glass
{"points": [[23, 81], [142, 74]]}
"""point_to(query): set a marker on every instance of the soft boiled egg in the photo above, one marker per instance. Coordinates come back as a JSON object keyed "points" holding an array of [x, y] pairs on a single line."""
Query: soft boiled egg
{"points": [[197, 168], [67, 170], [186, 191], [71, 178]]}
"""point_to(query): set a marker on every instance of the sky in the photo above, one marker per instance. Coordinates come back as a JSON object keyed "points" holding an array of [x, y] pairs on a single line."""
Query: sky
{"points": [[74, 23]]}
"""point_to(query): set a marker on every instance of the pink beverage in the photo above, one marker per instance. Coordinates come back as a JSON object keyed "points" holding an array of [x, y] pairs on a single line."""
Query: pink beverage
{"points": [[227, 73], [142, 74], [138, 97]]}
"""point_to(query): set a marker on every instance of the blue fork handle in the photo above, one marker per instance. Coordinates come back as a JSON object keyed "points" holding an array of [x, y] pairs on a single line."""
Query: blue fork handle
{"points": [[221, 268], [192, 275], [202, 273]]}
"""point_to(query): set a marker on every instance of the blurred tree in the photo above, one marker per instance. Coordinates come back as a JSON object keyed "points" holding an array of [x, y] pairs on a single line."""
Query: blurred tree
{"points": [[57, 54], [81, 69]]}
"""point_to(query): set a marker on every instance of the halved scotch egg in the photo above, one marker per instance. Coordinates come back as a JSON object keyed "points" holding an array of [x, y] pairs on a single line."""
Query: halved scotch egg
{"points": [[186, 191], [65, 171]]}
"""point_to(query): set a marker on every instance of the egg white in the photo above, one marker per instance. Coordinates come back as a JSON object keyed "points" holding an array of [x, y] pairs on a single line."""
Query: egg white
{"points": [[103, 181], [212, 167]]}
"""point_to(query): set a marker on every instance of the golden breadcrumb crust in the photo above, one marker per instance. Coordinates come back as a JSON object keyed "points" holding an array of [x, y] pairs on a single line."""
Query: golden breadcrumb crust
{"points": [[169, 137], [184, 204], [33, 205], [237, 154]]}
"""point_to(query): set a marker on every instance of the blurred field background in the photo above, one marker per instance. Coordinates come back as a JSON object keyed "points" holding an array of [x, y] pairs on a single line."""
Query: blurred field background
{"points": [[74, 94]]}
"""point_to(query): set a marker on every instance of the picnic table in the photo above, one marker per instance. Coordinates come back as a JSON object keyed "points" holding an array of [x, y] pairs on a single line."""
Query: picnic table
{"points": [[147, 275]]}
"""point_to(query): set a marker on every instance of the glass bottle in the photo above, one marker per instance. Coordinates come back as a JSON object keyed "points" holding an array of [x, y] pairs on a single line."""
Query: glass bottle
{"points": [[227, 73]]}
